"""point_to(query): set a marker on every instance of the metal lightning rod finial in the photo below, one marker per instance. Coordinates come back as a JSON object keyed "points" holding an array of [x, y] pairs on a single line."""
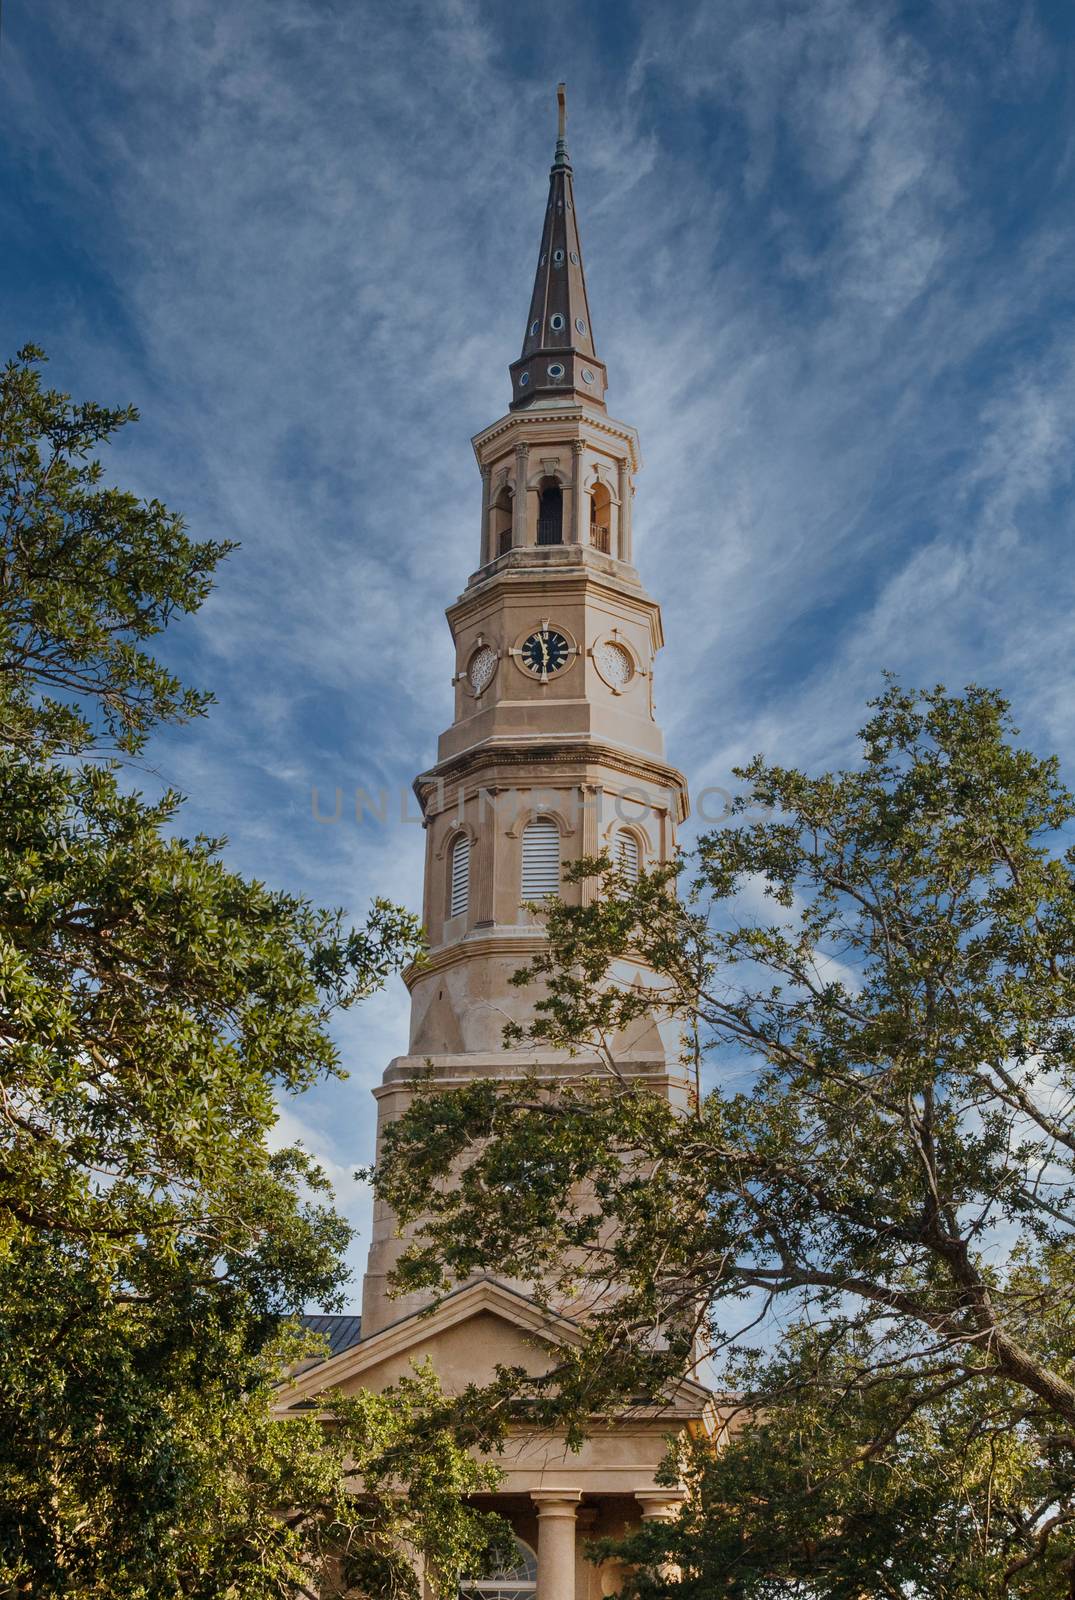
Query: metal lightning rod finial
{"points": [[562, 159]]}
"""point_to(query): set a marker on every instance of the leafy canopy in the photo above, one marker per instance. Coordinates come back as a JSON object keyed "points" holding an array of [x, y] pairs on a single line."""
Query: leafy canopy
{"points": [[153, 1006], [89, 573], [873, 974]]}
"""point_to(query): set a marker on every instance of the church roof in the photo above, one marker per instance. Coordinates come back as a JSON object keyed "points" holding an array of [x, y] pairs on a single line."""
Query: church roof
{"points": [[341, 1332], [559, 359]]}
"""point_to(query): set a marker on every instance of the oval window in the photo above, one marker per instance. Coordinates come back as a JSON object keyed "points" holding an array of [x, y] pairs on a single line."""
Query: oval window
{"points": [[556, 370]]}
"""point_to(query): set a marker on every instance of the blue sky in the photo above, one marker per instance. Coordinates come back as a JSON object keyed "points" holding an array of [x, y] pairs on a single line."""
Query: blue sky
{"points": [[829, 249]]}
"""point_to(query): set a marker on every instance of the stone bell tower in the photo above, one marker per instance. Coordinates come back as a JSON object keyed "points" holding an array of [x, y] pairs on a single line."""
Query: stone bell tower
{"points": [[553, 752]]}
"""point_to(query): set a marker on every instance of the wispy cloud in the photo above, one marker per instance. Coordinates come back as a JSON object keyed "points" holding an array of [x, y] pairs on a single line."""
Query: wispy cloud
{"points": [[828, 249]]}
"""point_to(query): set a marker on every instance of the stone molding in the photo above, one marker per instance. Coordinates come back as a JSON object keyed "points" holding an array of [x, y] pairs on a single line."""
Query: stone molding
{"points": [[552, 422], [471, 948], [535, 814], [535, 567], [404, 1072], [452, 835], [561, 758]]}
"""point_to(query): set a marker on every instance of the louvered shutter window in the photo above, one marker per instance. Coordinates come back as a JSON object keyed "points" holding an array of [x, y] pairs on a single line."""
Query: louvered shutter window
{"points": [[460, 895], [541, 858], [627, 853]]}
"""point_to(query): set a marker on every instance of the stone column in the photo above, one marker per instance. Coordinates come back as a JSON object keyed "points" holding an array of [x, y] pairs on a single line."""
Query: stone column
{"points": [[662, 1505], [487, 551], [624, 487], [579, 532], [585, 1571], [518, 505], [556, 1510]]}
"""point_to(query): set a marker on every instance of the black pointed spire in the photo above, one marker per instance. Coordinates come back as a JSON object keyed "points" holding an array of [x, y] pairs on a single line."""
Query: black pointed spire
{"points": [[559, 359]]}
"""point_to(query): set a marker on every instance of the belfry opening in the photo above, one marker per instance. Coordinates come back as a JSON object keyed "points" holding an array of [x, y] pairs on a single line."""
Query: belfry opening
{"points": [[550, 527]]}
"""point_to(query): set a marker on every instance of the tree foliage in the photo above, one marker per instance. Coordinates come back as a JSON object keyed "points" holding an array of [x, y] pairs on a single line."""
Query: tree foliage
{"points": [[88, 573], [153, 1006], [873, 975]]}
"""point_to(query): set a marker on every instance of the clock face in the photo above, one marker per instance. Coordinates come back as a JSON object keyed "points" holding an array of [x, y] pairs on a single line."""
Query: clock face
{"points": [[545, 652]]}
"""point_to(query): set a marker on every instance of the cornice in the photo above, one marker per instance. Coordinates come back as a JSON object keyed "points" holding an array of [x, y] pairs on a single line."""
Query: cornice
{"points": [[572, 580], [403, 1072], [559, 754], [533, 421], [519, 945]]}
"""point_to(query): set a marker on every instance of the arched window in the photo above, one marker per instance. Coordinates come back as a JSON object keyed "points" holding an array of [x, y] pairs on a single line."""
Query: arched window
{"points": [[502, 523], [541, 858], [601, 518], [550, 513], [459, 888], [515, 1582], [627, 855]]}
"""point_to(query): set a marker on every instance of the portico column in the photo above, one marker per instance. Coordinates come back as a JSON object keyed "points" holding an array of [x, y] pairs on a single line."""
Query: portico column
{"points": [[624, 487], [556, 1510], [584, 1567], [578, 533], [661, 1505], [518, 505]]}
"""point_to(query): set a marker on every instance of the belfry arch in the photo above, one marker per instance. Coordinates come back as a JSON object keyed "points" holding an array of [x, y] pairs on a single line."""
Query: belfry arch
{"points": [[550, 516], [501, 517], [600, 522]]}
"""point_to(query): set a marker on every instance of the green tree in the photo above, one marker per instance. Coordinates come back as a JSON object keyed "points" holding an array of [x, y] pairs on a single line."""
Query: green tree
{"points": [[859, 1480], [153, 1005], [873, 973]]}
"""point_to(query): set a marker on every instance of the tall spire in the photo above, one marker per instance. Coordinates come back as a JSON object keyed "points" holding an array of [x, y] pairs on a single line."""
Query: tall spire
{"points": [[559, 360]]}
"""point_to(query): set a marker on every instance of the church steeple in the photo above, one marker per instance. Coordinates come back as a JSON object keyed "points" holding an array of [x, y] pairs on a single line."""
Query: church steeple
{"points": [[559, 359]]}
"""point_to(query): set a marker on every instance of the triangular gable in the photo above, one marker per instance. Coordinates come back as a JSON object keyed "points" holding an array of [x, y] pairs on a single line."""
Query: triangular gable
{"points": [[419, 1333], [464, 1335]]}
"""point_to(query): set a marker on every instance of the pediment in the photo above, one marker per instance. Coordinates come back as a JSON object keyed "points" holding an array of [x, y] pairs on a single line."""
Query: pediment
{"points": [[465, 1337]]}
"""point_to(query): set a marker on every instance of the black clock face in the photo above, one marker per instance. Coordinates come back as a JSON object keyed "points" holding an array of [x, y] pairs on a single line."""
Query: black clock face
{"points": [[545, 652]]}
